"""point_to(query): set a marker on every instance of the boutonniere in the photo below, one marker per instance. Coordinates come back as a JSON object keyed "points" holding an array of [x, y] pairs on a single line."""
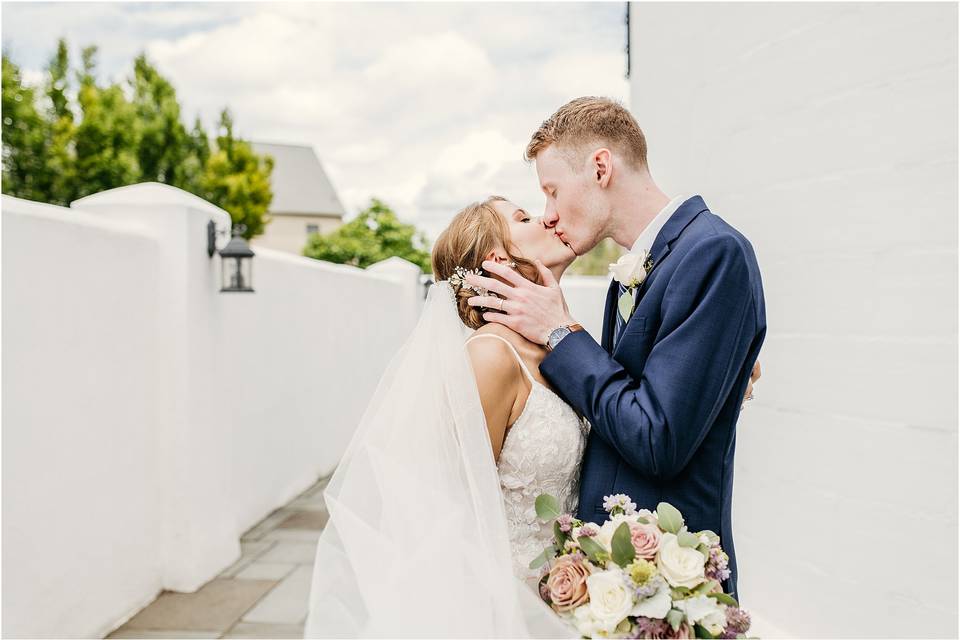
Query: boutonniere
{"points": [[630, 271]]}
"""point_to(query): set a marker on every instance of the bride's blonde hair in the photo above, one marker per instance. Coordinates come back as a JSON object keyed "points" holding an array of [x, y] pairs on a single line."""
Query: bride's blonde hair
{"points": [[474, 232]]}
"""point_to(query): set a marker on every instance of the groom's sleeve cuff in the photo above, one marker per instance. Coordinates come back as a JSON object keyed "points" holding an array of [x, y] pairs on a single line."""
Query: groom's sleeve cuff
{"points": [[563, 367]]}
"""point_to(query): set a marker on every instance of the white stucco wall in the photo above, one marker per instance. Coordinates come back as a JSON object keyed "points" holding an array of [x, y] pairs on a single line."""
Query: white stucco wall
{"points": [[827, 133], [149, 419], [586, 296], [80, 531]]}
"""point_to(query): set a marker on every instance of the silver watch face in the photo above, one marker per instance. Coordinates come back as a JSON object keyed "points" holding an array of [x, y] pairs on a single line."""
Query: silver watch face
{"points": [[556, 335]]}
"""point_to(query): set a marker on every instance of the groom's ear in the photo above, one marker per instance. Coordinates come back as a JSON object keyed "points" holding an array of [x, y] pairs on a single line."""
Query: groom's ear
{"points": [[602, 164]]}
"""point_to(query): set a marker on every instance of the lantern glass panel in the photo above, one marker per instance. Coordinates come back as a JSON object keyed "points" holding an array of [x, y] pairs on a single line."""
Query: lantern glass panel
{"points": [[246, 270], [236, 273]]}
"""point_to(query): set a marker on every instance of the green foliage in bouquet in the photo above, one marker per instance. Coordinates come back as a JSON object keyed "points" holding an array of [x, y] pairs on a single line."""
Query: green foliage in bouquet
{"points": [[641, 559]]}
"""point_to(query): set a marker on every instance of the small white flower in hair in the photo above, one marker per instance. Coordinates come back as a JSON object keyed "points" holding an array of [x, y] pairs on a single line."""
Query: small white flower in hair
{"points": [[458, 280]]}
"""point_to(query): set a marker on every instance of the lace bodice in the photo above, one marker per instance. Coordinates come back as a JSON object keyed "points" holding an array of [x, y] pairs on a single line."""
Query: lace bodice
{"points": [[541, 454]]}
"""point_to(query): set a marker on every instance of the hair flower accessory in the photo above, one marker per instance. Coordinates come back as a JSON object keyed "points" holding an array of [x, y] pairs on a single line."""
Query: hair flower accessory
{"points": [[458, 280]]}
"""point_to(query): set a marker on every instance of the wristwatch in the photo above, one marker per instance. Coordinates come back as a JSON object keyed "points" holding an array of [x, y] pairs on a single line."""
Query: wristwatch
{"points": [[560, 333]]}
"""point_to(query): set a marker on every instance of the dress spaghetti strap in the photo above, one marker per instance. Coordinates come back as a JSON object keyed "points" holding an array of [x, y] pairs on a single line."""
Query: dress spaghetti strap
{"points": [[512, 348]]}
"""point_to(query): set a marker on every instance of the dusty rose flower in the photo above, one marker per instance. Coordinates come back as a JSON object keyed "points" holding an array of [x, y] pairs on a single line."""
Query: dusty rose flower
{"points": [[646, 540], [567, 583]]}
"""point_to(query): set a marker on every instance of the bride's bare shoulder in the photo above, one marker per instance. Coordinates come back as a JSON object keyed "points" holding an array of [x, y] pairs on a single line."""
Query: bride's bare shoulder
{"points": [[497, 329], [493, 357]]}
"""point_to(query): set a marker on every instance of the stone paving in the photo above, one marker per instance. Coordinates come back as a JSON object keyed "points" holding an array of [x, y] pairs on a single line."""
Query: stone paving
{"points": [[262, 595]]}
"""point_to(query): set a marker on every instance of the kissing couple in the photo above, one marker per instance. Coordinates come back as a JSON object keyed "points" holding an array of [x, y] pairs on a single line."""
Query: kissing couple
{"points": [[499, 396]]}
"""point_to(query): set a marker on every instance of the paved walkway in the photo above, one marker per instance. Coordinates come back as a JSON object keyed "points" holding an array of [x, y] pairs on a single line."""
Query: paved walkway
{"points": [[262, 595]]}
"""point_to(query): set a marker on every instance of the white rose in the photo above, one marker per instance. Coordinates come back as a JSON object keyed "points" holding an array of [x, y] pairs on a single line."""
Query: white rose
{"points": [[681, 566], [704, 611], [628, 270], [610, 601], [605, 536]]}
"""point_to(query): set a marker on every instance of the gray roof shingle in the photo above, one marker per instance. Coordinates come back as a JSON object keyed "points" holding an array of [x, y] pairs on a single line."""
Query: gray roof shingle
{"points": [[300, 185]]}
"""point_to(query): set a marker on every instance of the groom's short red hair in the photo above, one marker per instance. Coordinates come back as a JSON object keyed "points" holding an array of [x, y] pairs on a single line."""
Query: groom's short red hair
{"points": [[589, 120]]}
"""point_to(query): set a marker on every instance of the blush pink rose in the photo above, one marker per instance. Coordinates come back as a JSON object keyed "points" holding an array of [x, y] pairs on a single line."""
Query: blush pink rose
{"points": [[646, 540], [567, 583]]}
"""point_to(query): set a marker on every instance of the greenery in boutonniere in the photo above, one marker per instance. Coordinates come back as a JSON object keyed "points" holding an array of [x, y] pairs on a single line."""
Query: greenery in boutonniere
{"points": [[630, 271]]}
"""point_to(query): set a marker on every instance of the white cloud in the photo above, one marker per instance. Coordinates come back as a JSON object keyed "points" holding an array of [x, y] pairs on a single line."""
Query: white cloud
{"points": [[426, 105]]}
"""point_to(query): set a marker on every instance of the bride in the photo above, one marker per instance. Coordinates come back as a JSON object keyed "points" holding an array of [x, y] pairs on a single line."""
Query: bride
{"points": [[432, 519]]}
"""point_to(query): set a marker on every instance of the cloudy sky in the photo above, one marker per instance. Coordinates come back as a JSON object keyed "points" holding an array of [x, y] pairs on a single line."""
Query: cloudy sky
{"points": [[425, 105]]}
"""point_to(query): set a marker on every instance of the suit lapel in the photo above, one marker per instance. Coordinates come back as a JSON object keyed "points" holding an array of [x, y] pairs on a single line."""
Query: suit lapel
{"points": [[681, 218], [684, 215]]}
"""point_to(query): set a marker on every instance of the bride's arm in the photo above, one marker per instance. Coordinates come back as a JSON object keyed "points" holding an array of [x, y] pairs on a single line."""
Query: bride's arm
{"points": [[498, 378]]}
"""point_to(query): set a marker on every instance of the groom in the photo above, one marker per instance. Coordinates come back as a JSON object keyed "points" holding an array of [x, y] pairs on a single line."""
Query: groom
{"points": [[664, 389]]}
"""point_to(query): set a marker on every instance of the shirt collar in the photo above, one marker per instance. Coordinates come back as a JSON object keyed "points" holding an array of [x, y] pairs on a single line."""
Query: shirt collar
{"points": [[648, 236]]}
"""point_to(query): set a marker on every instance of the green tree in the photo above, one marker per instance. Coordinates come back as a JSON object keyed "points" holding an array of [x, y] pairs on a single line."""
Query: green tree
{"points": [[107, 136], [60, 152], [238, 180], [25, 135], [596, 262], [60, 144], [374, 235], [163, 144]]}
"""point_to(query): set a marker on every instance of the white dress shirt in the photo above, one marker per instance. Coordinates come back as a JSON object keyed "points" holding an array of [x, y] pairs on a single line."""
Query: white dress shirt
{"points": [[648, 236]]}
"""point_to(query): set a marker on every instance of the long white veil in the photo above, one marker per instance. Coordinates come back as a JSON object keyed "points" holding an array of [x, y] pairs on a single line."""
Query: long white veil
{"points": [[416, 544]]}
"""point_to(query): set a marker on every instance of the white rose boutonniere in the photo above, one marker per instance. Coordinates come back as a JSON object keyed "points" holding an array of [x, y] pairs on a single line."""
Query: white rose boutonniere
{"points": [[630, 271]]}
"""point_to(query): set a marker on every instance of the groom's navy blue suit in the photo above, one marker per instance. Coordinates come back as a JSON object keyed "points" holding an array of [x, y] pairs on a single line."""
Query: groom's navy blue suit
{"points": [[663, 402]]}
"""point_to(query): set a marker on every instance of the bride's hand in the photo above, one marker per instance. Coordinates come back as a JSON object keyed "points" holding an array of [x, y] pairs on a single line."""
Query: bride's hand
{"points": [[754, 376], [531, 310]]}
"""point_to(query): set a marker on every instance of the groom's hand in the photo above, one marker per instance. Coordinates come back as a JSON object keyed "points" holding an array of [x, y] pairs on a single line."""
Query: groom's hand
{"points": [[531, 310]]}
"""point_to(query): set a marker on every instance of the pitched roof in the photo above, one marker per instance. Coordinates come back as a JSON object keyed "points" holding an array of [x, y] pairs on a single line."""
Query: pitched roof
{"points": [[300, 185]]}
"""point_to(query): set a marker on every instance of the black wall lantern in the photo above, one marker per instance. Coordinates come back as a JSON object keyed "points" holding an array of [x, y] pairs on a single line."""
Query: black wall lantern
{"points": [[236, 260]]}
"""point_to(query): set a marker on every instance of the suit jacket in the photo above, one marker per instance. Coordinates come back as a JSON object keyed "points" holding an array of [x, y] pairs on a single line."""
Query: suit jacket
{"points": [[664, 401]]}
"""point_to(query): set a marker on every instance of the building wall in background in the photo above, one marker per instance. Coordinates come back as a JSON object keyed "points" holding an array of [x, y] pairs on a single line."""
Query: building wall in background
{"points": [[827, 133], [289, 233]]}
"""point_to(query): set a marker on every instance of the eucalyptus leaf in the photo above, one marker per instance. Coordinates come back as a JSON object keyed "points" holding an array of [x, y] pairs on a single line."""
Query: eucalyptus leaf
{"points": [[687, 539], [669, 517], [590, 547], [725, 598], [544, 556], [621, 546], [548, 508], [714, 538], [559, 535], [625, 304], [675, 617], [705, 588]]}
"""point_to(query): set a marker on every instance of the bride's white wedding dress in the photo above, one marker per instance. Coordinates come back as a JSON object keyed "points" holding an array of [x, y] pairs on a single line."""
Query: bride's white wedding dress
{"points": [[541, 454], [426, 536]]}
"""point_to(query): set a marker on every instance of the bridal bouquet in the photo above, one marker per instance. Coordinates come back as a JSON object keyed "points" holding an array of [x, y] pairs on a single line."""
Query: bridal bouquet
{"points": [[639, 575]]}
